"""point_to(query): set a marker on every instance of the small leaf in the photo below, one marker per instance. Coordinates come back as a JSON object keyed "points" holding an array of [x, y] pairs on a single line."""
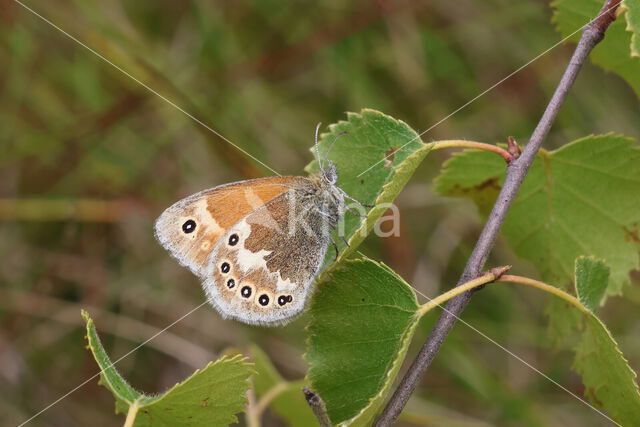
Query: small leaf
{"points": [[617, 52], [592, 278], [362, 319], [211, 396], [375, 155], [289, 403], [609, 381]]}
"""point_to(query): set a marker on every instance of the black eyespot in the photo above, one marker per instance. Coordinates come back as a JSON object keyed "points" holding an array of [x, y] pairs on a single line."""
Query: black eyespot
{"points": [[246, 292], [283, 299], [231, 283], [189, 226], [233, 240], [263, 300], [225, 267]]}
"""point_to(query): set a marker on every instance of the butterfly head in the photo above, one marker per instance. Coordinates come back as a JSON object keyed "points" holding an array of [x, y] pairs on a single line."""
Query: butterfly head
{"points": [[330, 174], [327, 168]]}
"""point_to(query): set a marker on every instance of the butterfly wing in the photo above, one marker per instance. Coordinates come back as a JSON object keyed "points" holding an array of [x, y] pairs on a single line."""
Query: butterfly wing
{"points": [[191, 227], [263, 267]]}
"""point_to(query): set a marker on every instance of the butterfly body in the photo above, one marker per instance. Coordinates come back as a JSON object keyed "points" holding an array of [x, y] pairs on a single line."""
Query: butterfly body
{"points": [[256, 244]]}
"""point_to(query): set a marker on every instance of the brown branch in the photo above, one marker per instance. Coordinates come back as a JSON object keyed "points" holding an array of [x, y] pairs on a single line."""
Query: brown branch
{"points": [[516, 172]]}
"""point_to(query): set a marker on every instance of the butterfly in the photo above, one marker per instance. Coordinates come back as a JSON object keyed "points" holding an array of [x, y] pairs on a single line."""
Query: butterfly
{"points": [[257, 244]]}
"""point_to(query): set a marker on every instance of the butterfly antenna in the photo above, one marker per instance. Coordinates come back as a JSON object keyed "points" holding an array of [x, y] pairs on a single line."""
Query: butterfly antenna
{"points": [[317, 149], [326, 156]]}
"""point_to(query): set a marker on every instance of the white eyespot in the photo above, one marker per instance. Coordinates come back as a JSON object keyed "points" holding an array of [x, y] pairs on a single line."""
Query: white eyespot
{"points": [[205, 245]]}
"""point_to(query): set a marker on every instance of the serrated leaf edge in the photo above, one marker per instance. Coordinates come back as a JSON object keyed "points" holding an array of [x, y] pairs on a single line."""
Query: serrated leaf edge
{"points": [[363, 418], [91, 334], [238, 360], [401, 175], [405, 341], [144, 400], [635, 39], [632, 374]]}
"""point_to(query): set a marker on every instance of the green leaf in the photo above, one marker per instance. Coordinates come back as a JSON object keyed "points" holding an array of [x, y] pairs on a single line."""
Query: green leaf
{"points": [[582, 199], [592, 278], [109, 377], [288, 402], [211, 396], [474, 174], [362, 319], [608, 379], [375, 155], [633, 24], [618, 52]]}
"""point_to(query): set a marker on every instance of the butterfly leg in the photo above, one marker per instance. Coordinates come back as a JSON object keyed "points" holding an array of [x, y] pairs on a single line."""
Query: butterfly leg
{"points": [[328, 218], [354, 212], [333, 242], [357, 201]]}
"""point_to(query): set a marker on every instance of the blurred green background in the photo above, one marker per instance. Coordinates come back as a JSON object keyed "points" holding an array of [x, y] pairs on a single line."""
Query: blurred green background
{"points": [[89, 158]]}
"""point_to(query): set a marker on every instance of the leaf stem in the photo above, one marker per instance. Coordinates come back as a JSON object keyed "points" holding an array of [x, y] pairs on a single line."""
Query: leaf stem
{"points": [[545, 287], [486, 278], [493, 276], [268, 397], [473, 144], [252, 416], [517, 169], [131, 414]]}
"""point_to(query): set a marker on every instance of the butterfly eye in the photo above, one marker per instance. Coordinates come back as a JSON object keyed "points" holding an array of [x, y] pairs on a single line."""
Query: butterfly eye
{"points": [[225, 267], [233, 240], [189, 226], [263, 300], [246, 291], [231, 283]]}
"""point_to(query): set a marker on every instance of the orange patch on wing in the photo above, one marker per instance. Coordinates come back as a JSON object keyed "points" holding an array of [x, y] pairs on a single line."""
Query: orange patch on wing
{"points": [[229, 204]]}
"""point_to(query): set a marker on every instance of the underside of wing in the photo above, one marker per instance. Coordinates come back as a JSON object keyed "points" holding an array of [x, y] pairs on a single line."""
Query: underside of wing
{"points": [[262, 269], [191, 227]]}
